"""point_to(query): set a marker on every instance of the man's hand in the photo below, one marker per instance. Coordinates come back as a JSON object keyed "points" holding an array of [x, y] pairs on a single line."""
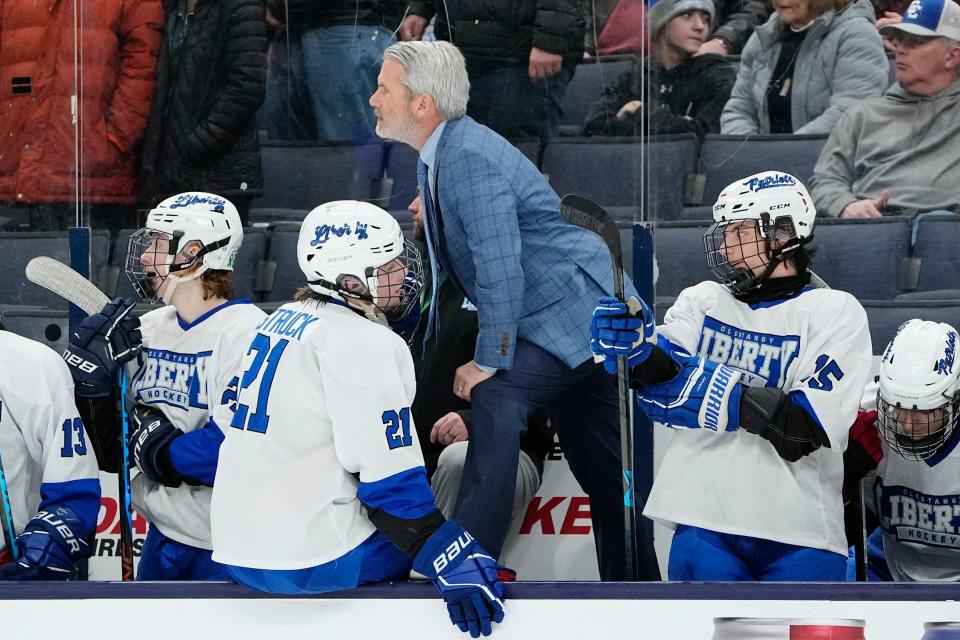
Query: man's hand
{"points": [[867, 208], [449, 429], [629, 109], [467, 377], [412, 28], [543, 64], [717, 46]]}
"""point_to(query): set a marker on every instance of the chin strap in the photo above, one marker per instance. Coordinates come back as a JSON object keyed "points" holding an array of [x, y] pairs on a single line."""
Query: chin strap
{"points": [[173, 281]]}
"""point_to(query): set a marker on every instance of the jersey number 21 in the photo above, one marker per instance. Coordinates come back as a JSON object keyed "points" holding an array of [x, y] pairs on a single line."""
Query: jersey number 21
{"points": [[262, 370]]}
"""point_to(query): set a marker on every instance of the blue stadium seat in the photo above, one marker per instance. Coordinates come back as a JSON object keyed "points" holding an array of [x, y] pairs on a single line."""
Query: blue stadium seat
{"points": [[283, 254], [588, 84], [270, 215], [304, 175], [401, 171], [886, 316], [626, 245], [937, 246], [865, 257], [47, 326], [724, 159], [18, 248], [678, 251], [610, 171]]}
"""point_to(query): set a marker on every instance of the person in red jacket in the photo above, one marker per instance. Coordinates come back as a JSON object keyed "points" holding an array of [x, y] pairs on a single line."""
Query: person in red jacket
{"points": [[102, 73]]}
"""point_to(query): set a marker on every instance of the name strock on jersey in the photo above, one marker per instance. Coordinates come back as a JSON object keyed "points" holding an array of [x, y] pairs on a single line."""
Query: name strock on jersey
{"points": [[815, 346], [186, 371], [42, 440], [919, 508], [324, 409]]}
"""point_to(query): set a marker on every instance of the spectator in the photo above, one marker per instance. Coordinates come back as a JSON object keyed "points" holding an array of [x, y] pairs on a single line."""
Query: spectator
{"points": [[210, 82], [119, 40], [736, 20], [808, 64], [521, 54], [323, 67], [684, 91], [616, 27], [493, 224], [890, 155], [443, 420]]}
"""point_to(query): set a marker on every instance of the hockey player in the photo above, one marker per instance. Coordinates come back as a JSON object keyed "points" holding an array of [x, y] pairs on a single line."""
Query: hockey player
{"points": [[191, 350], [760, 376], [322, 457], [50, 471], [917, 483]]}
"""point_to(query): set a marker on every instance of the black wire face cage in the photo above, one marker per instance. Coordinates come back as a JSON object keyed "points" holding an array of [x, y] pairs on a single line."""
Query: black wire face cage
{"points": [[156, 248], [916, 434], [399, 283], [737, 276]]}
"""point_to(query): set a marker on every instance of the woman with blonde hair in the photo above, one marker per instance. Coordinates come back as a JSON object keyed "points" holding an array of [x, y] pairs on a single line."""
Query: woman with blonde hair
{"points": [[805, 66]]}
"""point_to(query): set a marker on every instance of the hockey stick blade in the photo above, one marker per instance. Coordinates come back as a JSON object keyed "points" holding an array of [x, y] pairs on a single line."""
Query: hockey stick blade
{"points": [[57, 277], [588, 215]]}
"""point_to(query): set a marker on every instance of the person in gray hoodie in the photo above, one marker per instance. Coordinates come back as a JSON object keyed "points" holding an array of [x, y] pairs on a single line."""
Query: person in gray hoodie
{"points": [[810, 62], [897, 154]]}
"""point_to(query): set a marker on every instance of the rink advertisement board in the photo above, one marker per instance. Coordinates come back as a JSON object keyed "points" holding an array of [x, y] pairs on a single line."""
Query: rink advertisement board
{"points": [[555, 541], [534, 610]]}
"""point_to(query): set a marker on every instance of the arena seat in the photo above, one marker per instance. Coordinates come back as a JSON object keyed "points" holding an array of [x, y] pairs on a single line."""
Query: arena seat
{"points": [[18, 248], [867, 257], [608, 170], [626, 245], [47, 326], [886, 316], [678, 250], [726, 158], [270, 215], [300, 175], [936, 248], [282, 258], [587, 86]]}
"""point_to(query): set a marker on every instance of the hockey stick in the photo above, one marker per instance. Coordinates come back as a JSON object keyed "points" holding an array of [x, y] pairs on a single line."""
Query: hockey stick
{"points": [[73, 287], [6, 515], [588, 215]]}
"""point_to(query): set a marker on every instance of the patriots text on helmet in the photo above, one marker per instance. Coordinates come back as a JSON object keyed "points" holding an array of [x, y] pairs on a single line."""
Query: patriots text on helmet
{"points": [[945, 364], [769, 182]]}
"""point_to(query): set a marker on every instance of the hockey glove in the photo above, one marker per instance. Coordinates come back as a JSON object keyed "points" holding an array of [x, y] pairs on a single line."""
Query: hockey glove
{"points": [[864, 451], [49, 548], [704, 395], [620, 328], [465, 575], [151, 434], [102, 344]]}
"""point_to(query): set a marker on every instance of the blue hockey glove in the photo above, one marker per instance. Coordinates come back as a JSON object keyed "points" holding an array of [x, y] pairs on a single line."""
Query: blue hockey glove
{"points": [[151, 434], [49, 548], [102, 344], [704, 395], [620, 328], [465, 575]]}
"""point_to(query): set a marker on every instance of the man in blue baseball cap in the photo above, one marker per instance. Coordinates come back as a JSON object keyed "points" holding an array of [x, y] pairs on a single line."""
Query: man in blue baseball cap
{"points": [[893, 155]]}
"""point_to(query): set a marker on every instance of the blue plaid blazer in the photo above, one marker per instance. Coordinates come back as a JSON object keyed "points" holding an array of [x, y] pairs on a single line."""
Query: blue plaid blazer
{"points": [[501, 238]]}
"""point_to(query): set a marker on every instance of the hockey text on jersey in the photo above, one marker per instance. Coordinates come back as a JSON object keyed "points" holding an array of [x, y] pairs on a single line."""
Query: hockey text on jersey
{"points": [[914, 516]]}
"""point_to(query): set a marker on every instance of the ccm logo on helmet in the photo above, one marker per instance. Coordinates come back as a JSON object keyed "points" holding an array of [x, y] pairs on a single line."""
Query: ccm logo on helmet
{"points": [[451, 552], [78, 362]]}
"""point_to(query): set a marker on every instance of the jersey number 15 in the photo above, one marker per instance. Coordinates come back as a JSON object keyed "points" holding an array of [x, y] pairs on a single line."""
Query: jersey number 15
{"points": [[263, 375]]}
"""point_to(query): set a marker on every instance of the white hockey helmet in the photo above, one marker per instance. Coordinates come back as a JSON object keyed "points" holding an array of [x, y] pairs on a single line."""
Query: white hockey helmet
{"points": [[355, 251], [192, 228], [919, 391], [784, 214]]}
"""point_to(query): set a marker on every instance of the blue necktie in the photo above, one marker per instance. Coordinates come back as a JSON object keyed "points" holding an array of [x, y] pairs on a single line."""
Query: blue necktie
{"points": [[433, 317]]}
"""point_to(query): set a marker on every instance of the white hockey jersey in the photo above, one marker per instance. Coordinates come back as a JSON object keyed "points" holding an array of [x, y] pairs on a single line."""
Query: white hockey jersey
{"points": [[918, 502], [323, 421], [45, 452], [815, 346], [185, 371]]}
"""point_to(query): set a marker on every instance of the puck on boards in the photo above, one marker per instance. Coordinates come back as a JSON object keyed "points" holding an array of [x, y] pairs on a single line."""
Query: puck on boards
{"points": [[787, 629], [941, 631]]}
